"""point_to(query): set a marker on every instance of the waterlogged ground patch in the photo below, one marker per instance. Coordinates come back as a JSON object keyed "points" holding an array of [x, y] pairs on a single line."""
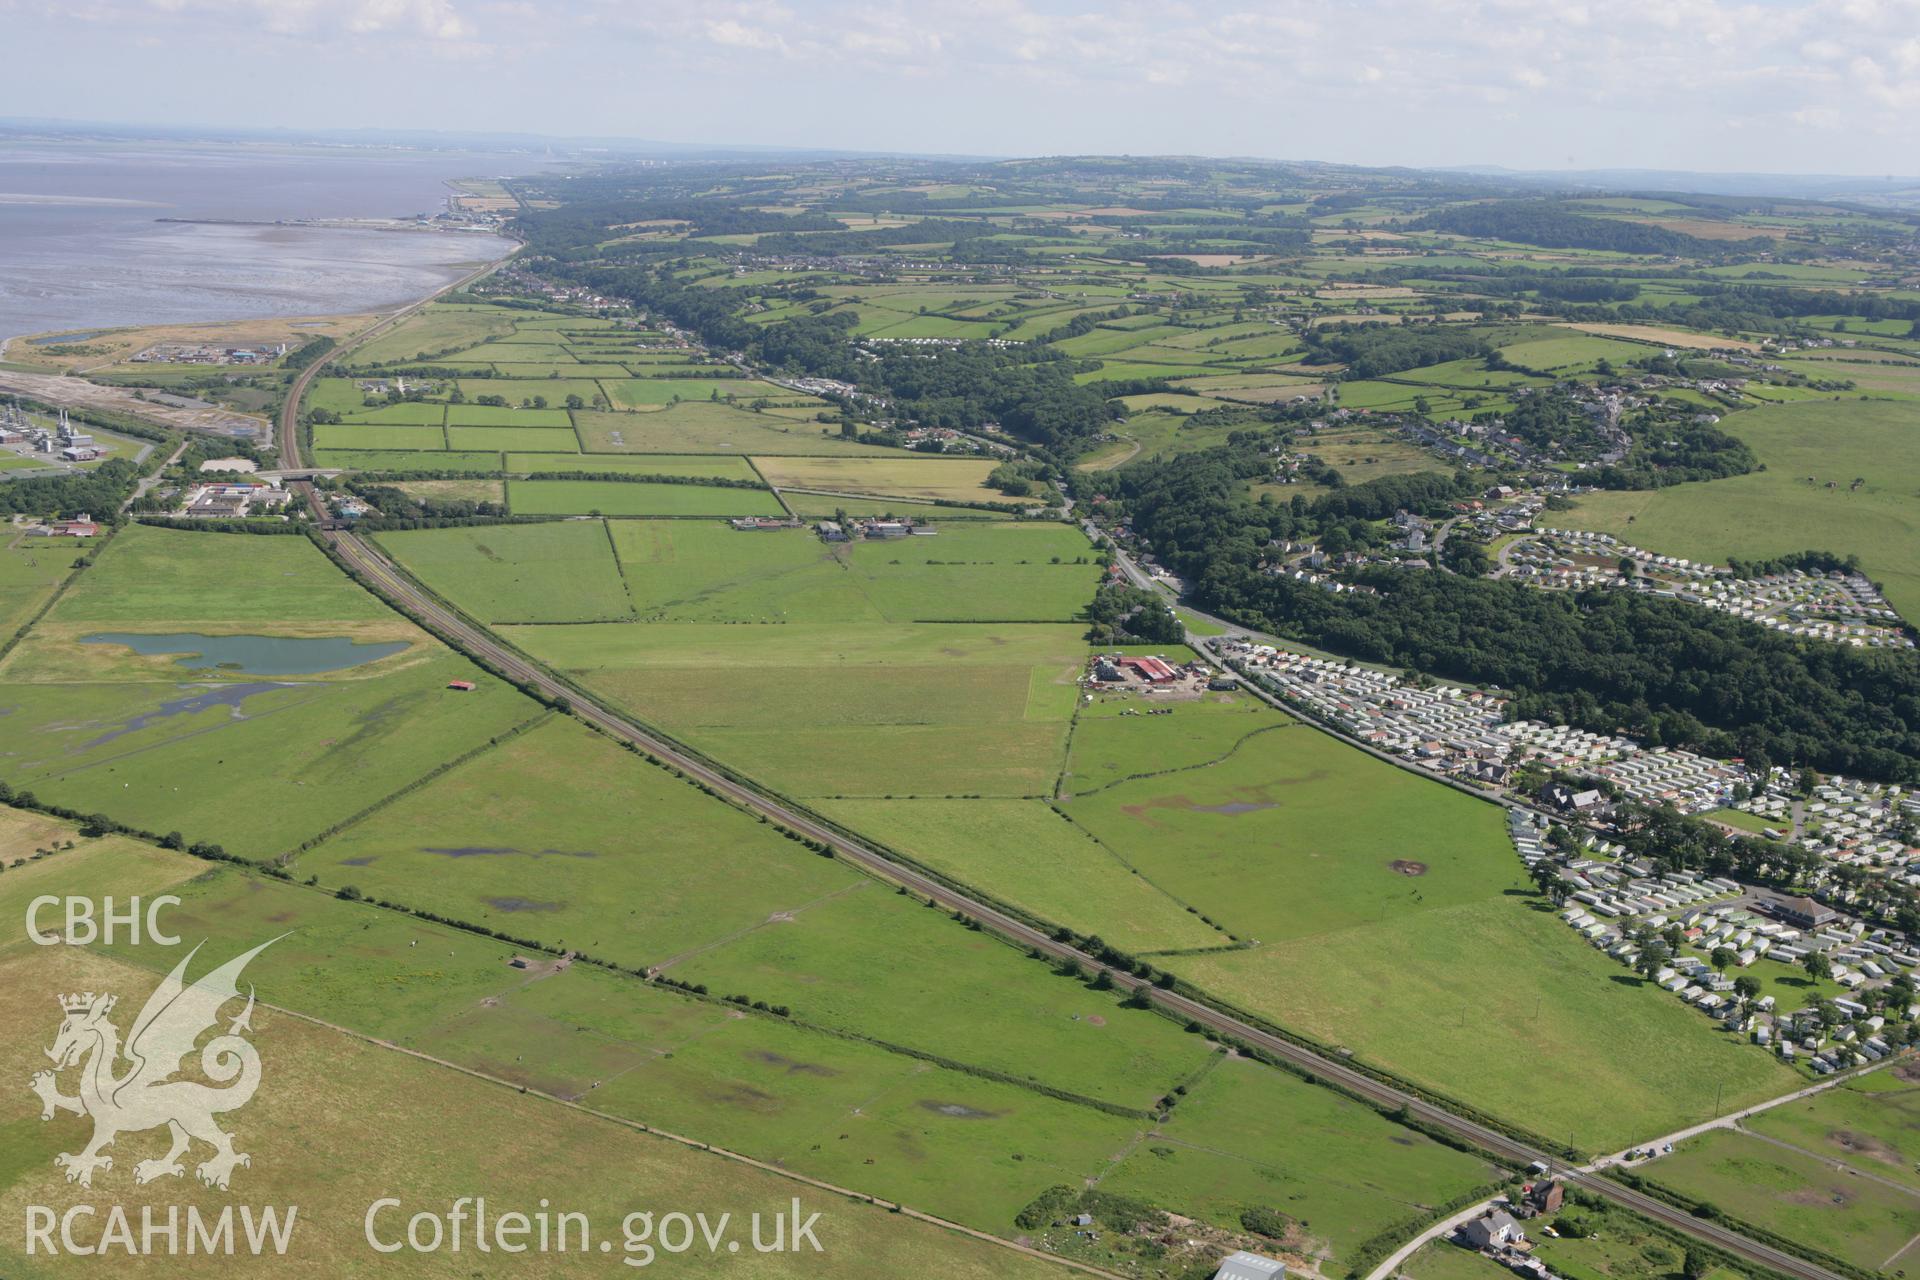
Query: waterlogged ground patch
{"points": [[562, 837], [254, 655]]}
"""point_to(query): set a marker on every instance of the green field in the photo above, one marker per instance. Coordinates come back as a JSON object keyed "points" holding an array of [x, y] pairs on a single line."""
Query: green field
{"points": [[30, 571], [1740, 818], [296, 759], [436, 330], [1110, 746], [514, 439], [572, 571], [1444, 1260], [641, 393], [825, 709], [1248, 828], [1413, 997], [703, 427], [1383, 923], [354, 435], [1022, 851], [1601, 1244], [252, 763], [336, 1158], [1871, 1123], [1853, 1218], [519, 840], [557, 572], [151, 575], [353, 459], [1776, 511], [684, 571], [1249, 1137], [887, 966], [481, 415], [419, 413], [895, 1125]]}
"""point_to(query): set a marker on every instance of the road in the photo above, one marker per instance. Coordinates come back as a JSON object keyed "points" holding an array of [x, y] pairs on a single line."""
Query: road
{"points": [[1732, 1119], [1438, 1231], [384, 578], [152, 478]]}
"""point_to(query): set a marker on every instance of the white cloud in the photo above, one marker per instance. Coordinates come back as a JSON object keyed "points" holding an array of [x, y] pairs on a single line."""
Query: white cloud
{"points": [[1383, 76]]}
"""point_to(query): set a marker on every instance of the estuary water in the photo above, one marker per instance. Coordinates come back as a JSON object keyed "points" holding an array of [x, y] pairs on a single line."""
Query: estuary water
{"points": [[81, 245]]}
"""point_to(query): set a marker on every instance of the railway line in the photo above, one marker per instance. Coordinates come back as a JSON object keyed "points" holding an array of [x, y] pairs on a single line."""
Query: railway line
{"points": [[382, 576]]}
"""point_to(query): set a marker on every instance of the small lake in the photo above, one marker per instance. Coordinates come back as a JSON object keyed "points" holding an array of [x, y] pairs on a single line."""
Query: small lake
{"points": [[255, 655]]}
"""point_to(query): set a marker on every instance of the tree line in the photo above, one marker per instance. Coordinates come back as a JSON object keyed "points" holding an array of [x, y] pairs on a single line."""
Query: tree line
{"points": [[1662, 671]]}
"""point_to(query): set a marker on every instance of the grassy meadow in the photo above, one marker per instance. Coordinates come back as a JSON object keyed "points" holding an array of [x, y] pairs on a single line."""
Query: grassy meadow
{"points": [[1777, 511], [382, 1109], [1800, 1196], [520, 839]]}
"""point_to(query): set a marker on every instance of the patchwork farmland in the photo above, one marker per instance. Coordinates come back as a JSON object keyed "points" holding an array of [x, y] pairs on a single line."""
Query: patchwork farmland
{"points": [[716, 724]]}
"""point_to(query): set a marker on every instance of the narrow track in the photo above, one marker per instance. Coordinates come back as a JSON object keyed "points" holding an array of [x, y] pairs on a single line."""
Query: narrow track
{"points": [[384, 578]]}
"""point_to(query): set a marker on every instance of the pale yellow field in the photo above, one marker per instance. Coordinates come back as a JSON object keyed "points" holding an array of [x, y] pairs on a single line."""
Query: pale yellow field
{"points": [[1366, 291], [1671, 337], [934, 479], [1709, 229], [469, 490]]}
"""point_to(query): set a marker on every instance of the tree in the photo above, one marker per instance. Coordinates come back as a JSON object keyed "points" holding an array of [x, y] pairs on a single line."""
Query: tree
{"points": [[1465, 556], [1652, 958], [1817, 965], [1747, 987], [1722, 958], [1696, 1265]]}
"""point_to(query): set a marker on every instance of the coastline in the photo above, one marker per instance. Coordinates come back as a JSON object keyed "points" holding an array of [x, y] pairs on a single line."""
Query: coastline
{"points": [[70, 385], [340, 224], [95, 270]]}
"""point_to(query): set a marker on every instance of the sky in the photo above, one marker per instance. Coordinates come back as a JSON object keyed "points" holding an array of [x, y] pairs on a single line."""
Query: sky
{"points": [[1779, 86]]}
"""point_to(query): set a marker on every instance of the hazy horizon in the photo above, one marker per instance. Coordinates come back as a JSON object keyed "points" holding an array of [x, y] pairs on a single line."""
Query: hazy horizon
{"points": [[400, 136], [1821, 87]]}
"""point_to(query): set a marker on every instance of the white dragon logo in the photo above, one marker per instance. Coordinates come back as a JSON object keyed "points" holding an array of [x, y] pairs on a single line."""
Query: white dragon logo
{"points": [[146, 1096]]}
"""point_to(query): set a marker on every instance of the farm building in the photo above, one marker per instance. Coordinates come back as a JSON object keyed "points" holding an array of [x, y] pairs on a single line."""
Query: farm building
{"points": [[464, 686], [79, 527], [1152, 670], [1250, 1266]]}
